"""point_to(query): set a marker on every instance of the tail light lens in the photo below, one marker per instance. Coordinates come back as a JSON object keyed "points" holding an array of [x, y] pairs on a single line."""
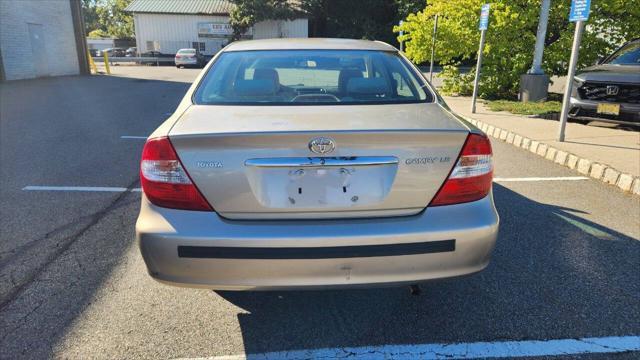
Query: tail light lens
{"points": [[164, 180], [472, 176]]}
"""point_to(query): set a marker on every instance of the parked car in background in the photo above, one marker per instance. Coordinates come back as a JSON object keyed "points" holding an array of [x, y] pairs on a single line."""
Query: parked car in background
{"points": [[131, 52], [154, 54], [189, 57], [311, 163], [610, 90], [114, 52]]}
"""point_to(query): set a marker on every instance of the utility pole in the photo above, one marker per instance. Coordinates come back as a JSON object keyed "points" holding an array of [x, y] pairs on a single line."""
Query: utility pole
{"points": [[433, 46]]}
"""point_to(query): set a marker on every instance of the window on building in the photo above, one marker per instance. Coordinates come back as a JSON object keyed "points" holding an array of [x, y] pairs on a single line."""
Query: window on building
{"points": [[198, 46]]}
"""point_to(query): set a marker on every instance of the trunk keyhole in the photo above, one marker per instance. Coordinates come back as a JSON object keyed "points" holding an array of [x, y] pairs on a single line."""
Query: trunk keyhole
{"points": [[299, 190], [344, 189]]}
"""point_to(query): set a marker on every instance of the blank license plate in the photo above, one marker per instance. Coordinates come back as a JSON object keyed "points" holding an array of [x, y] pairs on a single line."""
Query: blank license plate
{"points": [[609, 109]]}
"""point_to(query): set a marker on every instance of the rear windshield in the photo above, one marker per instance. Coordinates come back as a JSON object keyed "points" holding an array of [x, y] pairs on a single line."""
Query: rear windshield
{"points": [[305, 77], [187, 51]]}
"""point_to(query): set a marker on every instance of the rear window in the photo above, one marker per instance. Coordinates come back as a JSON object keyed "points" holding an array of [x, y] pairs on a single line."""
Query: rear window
{"points": [[187, 51], [306, 77]]}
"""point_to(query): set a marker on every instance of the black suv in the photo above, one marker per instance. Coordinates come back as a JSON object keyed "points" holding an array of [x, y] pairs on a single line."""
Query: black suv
{"points": [[610, 90]]}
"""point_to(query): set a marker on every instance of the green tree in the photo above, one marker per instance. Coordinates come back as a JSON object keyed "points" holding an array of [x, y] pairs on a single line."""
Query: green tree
{"points": [[406, 7], [510, 40], [91, 21], [359, 19], [114, 20], [249, 12], [107, 18]]}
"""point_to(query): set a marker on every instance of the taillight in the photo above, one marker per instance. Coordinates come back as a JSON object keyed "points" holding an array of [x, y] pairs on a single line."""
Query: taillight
{"points": [[164, 180], [471, 178]]}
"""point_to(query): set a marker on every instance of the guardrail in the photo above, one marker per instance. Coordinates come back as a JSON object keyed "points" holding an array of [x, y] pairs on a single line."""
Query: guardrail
{"points": [[156, 60]]}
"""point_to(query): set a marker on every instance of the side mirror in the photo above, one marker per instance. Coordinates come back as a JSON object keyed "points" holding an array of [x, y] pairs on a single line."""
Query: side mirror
{"points": [[599, 61]]}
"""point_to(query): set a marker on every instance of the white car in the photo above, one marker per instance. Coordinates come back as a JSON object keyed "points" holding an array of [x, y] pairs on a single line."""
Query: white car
{"points": [[189, 57]]}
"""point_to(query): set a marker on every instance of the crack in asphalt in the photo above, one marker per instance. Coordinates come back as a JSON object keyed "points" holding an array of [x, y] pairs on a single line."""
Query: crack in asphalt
{"points": [[65, 244]]}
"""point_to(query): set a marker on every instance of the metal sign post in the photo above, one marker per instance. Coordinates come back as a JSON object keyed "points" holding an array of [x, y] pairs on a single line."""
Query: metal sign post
{"points": [[579, 14], [401, 33], [484, 24], [433, 46]]}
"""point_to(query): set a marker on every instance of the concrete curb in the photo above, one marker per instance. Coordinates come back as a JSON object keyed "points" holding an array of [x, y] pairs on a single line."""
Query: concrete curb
{"points": [[603, 172]]}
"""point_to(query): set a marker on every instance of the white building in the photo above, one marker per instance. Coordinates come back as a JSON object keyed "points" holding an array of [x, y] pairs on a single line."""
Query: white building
{"points": [[41, 38], [167, 26]]}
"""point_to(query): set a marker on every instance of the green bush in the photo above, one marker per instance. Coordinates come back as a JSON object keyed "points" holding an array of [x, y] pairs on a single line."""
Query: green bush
{"points": [[454, 83], [511, 36]]}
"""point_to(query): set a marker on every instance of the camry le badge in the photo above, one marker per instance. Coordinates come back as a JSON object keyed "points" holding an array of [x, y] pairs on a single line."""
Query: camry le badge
{"points": [[322, 145]]}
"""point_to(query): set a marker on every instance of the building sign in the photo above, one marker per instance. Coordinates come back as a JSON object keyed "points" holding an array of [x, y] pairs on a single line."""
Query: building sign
{"points": [[217, 30], [484, 17], [580, 10]]}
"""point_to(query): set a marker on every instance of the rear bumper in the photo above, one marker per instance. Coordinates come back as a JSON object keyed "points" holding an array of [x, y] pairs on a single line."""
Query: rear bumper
{"points": [[586, 110], [200, 249], [186, 61]]}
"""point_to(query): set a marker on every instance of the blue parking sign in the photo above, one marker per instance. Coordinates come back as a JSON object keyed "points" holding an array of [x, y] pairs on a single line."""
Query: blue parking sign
{"points": [[484, 17], [579, 10]]}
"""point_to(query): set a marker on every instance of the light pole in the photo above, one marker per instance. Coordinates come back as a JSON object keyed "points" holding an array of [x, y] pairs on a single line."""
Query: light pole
{"points": [[536, 67], [534, 85]]}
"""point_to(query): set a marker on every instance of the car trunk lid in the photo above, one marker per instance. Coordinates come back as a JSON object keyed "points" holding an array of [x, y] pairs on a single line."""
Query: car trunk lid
{"points": [[258, 162]]}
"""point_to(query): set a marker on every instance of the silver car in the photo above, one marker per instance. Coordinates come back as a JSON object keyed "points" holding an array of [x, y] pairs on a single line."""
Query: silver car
{"points": [[189, 57], [314, 163]]}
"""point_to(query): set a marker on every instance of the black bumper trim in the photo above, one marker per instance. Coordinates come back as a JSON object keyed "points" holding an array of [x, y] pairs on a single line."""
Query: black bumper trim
{"points": [[334, 252]]}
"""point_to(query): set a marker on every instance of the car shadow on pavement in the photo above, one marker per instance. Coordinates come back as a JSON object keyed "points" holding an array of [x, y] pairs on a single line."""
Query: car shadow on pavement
{"points": [[58, 248], [553, 275]]}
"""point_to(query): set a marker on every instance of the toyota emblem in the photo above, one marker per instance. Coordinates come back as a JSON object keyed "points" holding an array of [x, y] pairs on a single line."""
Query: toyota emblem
{"points": [[322, 145]]}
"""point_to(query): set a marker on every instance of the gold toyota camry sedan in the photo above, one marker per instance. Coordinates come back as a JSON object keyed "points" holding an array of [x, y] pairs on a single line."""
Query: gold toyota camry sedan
{"points": [[314, 163]]}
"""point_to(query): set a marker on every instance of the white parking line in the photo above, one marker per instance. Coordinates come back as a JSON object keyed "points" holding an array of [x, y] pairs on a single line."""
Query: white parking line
{"points": [[134, 137], [79, 188], [559, 178], [503, 349]]}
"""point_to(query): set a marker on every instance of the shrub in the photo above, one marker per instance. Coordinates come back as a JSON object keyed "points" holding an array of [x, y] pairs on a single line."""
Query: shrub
{"points": [[511, 36]]}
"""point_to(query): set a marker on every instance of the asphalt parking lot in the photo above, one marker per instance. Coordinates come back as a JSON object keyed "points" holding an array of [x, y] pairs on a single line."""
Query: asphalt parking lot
{"points": [[73, 284]]}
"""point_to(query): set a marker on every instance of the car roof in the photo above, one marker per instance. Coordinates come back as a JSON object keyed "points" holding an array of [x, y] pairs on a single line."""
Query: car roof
{"points": [[308, 44]]}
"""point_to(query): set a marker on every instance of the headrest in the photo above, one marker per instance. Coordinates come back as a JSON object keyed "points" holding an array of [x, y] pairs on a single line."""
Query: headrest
{"points": [[255, 87], [345, 76], [366, 86], [266, 74]]}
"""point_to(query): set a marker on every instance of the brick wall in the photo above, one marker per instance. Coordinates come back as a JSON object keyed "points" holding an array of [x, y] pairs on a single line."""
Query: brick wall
{"points": [[59, 42]]}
